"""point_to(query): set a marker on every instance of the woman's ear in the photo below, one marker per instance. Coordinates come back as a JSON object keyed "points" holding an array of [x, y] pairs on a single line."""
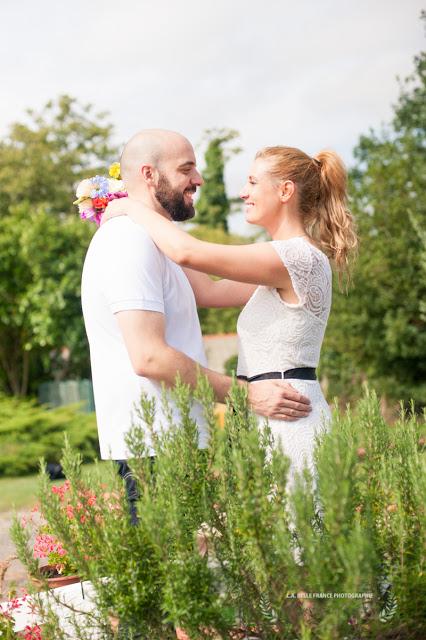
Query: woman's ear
{"points": [[287, 188]]}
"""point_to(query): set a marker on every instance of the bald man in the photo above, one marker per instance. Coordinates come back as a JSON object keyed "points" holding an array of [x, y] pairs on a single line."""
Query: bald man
{"points": [[140, 307]]}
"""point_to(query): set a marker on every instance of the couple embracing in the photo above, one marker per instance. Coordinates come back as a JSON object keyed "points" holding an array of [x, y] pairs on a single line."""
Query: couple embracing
{"points": [[143, 277]]}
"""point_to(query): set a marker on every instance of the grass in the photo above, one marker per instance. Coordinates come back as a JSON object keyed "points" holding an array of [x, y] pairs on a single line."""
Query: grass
{"points": [[21, 493], [18, 493]]}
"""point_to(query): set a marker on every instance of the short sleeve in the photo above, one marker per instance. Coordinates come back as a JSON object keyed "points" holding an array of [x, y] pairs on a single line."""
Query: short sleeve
{"points": [[297, 259], [132, 278]]}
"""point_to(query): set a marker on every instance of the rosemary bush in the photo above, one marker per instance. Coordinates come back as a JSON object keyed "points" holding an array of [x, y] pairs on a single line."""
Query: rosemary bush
{"points": [[222, 544]]}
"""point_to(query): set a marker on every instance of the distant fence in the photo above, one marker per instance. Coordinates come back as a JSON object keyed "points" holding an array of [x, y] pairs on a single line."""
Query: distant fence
{"points": [[57, 394]]}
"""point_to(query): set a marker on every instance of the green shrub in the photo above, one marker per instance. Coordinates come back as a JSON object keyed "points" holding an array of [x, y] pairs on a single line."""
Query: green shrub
{"points": [[29, 431], [222, 542], [230, 365]]}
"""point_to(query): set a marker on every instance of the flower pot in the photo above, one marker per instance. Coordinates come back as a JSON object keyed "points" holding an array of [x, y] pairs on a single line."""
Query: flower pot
{"points": [[53, 578]]}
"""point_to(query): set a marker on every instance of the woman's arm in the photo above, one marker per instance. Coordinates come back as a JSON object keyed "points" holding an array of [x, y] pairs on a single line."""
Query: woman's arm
{"points": [[253, 263], [218, 293]]}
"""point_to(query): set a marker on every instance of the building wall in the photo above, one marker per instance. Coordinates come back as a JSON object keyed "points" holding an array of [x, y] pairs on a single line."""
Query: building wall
{"points": [[219, 348]]}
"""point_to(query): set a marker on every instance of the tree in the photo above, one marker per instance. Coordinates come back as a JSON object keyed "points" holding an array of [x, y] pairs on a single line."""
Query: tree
{"points": [[41, 160], [214, 206], [43, 242], [41, 326], [379, 330]]}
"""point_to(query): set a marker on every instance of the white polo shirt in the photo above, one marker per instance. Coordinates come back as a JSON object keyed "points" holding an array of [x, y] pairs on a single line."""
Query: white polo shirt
{"points": [[125, 270]]}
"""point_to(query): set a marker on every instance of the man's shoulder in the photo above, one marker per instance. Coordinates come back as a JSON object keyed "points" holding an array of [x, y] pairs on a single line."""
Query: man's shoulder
{"points": [[121, 235], [122, 226]]}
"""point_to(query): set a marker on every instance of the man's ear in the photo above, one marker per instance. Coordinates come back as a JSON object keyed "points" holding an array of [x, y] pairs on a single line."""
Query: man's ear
{"points": [[148, 173]]}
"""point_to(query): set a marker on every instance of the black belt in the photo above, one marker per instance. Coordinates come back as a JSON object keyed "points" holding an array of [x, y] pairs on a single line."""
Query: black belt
{"points": [[301, 373]]}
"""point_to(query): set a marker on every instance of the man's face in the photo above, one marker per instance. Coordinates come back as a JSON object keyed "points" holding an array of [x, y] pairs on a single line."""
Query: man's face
{"points": [[177, 183]]}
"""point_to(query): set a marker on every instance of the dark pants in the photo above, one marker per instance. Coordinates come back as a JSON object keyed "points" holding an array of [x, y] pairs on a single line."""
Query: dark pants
{"points": [[132, 490]]}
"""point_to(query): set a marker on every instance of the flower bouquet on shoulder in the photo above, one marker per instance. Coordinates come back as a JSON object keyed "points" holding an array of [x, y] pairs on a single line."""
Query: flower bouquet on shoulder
{"points": [[94, 194]]}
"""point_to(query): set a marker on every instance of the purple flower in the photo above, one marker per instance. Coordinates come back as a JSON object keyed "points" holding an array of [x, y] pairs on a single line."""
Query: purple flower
{"points": [[100, 185]]}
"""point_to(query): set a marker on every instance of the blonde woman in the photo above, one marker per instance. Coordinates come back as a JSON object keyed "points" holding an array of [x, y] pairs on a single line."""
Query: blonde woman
{"points": [[301, 201]]}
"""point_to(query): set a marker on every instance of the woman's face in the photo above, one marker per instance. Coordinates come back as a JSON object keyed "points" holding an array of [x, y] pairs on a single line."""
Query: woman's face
{"points": [[261, 194]]}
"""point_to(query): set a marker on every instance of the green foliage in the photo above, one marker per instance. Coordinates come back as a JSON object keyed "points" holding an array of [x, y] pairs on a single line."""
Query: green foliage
{"points": [[41, 257], [230, 365], [29, 432], [218, 320], [214, 321], [217, 235], [42, 159], [214, 206], [42, 248], [223, 543], [378, 331]]}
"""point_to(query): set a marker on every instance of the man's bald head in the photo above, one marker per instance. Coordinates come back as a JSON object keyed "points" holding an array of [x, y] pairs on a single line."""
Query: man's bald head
{"points": [[151, 147], [159, 168]]}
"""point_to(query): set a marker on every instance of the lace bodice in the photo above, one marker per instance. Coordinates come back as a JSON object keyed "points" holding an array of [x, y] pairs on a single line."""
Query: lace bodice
{"points": [[274, 335]]}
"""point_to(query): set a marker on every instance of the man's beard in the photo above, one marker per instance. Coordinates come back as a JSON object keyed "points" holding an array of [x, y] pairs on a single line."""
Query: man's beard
{"points": [[173, 201]]}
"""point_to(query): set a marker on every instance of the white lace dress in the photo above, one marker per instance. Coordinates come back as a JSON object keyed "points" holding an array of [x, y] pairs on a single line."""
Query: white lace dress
{"points": [[274, 335]]}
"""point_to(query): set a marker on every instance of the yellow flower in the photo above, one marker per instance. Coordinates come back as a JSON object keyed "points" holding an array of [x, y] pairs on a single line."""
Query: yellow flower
{"points": [[114, 170]]}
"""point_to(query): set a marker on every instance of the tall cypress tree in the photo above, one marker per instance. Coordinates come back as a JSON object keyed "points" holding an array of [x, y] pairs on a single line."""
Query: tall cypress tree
{"points": [[213, 206]]}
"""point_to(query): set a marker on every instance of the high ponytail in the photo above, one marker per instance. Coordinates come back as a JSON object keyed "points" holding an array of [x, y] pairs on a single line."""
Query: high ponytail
{"points": [[334, 226], [322, 198]]}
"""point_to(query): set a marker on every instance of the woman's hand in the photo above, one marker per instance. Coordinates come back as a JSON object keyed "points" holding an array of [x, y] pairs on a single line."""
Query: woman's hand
{"points": [[117, 207]]}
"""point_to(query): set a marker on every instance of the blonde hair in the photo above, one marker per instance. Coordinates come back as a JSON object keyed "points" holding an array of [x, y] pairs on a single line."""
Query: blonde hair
{"points": [[322, 197]]}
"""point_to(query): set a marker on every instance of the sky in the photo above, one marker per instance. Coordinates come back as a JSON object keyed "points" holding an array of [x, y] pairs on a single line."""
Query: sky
{"points": [[305, 73]]}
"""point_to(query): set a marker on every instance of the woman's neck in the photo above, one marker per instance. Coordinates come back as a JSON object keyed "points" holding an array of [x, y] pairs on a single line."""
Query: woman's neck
{"points": [[287, 228]]}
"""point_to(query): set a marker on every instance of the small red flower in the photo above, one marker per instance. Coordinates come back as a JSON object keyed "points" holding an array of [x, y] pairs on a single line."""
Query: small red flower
{"points": [[99, 204]]}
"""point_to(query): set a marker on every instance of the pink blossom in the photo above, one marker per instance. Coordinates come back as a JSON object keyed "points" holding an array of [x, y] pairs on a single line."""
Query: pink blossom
{"points": [[61, 490], [46, 544], [91, 500], [31, 633]]}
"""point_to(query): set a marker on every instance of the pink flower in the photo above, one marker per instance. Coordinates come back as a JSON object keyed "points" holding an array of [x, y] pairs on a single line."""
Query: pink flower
{"points": [[46, 544], [31, 633], [91, 500], [14, 604], [62, 490]]}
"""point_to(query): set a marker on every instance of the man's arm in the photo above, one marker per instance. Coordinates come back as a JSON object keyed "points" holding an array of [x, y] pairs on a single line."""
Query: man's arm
{"points": [[152, 357]]}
